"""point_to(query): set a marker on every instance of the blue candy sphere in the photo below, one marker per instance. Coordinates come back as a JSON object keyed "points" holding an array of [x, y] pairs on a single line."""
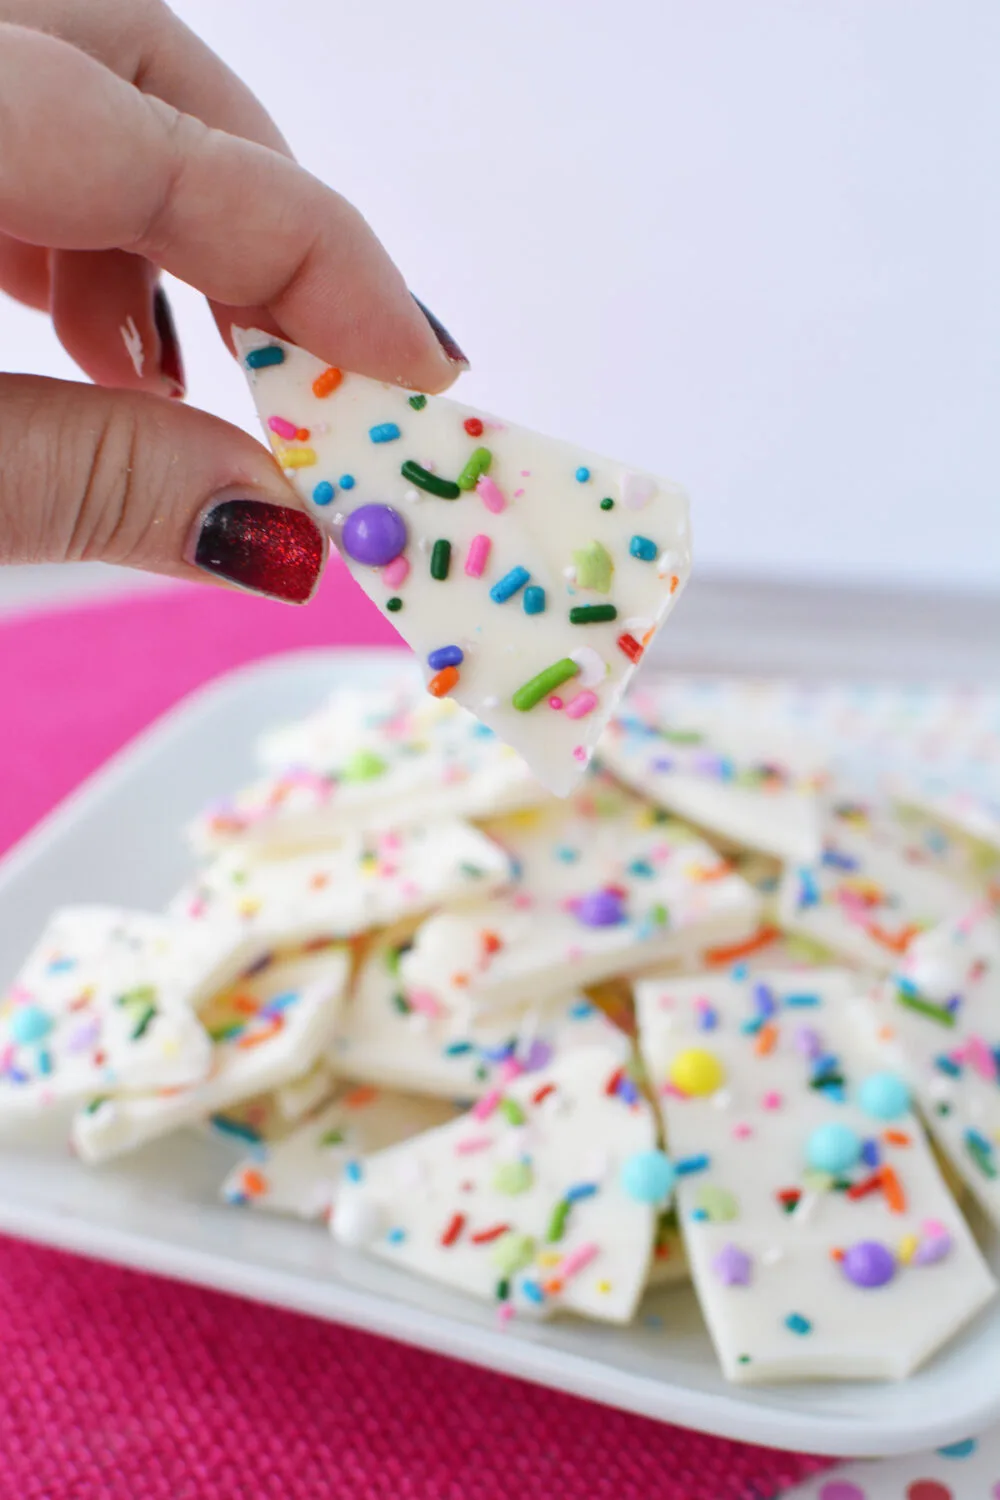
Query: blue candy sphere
{"points": [[833, 1148], [28, 1024], [884, 1095], [648, 1176]]}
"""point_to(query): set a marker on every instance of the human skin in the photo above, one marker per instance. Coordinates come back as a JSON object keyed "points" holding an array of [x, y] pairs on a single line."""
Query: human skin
{"points": [[126, 148]]}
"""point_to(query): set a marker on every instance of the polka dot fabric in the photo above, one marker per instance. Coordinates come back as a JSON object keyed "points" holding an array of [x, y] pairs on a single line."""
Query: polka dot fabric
{"points": [[116, 1386]]}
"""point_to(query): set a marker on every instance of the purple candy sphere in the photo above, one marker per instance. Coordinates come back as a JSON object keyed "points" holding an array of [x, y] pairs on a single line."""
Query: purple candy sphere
{"points": [[869, 1264], [374, 535], [601, 909]]}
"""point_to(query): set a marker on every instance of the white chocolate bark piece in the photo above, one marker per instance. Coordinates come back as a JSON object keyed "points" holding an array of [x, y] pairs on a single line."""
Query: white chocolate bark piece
{"points": [[388, 1037], [403, 762], [266, 1030], [821, 1238], [106, 1000], [605, 885], [527, 574], [343, 889], [865, 901], [521, 1201], [919, 836], [298, 1172], [757, 787], [937, 1020], [976, 817]]}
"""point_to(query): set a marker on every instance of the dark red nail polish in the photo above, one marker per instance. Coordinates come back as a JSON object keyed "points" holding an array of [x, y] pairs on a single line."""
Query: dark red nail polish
{"points": [[171, 362], [270, 549], [442, 335]]}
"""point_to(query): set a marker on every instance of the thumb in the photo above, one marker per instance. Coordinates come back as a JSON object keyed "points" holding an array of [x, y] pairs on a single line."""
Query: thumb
{"points": [[125, 477]]}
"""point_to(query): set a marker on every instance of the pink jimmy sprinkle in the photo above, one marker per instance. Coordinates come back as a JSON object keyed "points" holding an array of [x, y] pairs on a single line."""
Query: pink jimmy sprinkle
{"points": [[426, 1003], [396, 572], [477, 555], [490, 494], [389, 841], [504, 1313], [473, 1143], [742, 1131], [522, 900], [282, 427], [577, 1259], [579, 751], [510, 1069], [933, 1228], [981, 1058], [583, 704], [484, 1107], [771, 1101], [518, 494], [555, 702]]}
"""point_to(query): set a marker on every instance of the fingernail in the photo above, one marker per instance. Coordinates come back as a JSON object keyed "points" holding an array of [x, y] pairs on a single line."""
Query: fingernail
{"points": [[171, 362], [442, 335], [269, 549]]}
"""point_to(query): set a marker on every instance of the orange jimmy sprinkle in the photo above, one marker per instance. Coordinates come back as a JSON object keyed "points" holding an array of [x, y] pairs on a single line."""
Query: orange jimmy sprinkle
{"points": [[327, 383], [442, 682], [553, 1286], [760, 939], [675, 583], [893, 1190], [897, 1138], [766, 1039], [255, 1038], [485, 1236], [253, 1182], [837, 1254], [302, 436], [318, 881], [896, 942], [363, 1095], [245, 1005], [543, 1093], [460, 980]]}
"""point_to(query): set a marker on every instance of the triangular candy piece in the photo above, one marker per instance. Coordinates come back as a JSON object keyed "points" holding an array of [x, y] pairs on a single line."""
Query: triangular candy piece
{"points": [[528, 575], [523, 1201]]}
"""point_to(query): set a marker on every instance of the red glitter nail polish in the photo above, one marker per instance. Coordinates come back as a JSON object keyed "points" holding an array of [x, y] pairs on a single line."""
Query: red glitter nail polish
{"points": [[270, 549]]}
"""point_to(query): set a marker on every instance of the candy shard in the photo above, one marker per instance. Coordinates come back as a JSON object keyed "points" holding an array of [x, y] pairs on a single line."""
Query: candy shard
{"points": [[540, 515]]}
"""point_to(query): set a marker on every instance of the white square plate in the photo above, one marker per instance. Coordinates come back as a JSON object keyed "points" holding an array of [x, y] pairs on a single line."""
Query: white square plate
{"points": [[118, 839]]}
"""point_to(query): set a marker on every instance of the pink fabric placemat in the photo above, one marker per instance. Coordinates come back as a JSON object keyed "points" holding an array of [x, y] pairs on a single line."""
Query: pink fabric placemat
{"points": [[116, 1386]]}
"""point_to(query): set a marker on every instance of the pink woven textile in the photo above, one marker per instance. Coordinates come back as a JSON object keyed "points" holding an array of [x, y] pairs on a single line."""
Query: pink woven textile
{"points": [[116, 1386]]}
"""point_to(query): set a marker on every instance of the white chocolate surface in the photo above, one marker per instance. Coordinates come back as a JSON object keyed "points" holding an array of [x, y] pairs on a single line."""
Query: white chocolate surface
{"points": [[676, 896], [298, 1172], [534, 514], [864, 900], [365, 763], [757, 788], [342, 889], [267, 1029], [937, 1019], [775, 1038], [113, 996], [385, 1037], [511, 1166]]}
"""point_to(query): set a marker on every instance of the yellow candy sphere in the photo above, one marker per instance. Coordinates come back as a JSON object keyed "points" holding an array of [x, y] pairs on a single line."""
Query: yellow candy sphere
{"points": [[697, 1072]]}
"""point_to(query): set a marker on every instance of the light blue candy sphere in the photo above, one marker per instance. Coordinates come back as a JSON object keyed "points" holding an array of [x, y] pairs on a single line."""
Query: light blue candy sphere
{"points": [[884, 1095], [648, 1176], [28, 1024], [833, 1148]]}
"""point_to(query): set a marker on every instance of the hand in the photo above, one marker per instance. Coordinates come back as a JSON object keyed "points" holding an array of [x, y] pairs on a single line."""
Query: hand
{"points": [[127, 147]]}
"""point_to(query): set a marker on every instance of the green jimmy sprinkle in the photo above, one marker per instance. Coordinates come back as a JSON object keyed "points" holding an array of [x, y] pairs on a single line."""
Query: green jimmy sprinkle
{"points": [[441, 559], [479, 463], [530, 693], [445, 489], [592, 614], [144, 1020], [557, 1223], [939, 1013], [512, 1112]]}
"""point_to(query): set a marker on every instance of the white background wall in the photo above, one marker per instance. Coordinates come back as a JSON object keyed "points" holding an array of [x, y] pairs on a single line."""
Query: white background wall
{"points": [[755, 245]]}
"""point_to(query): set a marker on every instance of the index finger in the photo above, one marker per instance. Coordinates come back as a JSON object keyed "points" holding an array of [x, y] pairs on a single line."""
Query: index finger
{"points": [[87, 162]]}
